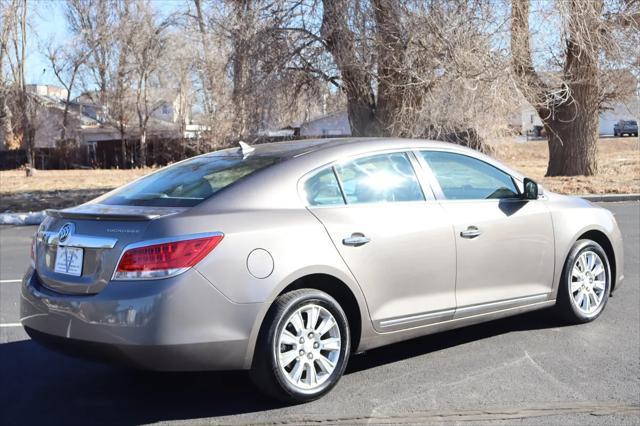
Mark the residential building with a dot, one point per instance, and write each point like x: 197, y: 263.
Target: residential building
x: 628, y: 109
x: 46, y: 90
x: 331, y: 125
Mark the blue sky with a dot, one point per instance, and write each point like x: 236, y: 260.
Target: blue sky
x: 49, y: 25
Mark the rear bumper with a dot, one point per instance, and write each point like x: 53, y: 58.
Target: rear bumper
x: 177, y: 324
x: 185, y: 357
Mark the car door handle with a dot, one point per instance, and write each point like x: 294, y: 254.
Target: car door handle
x: 470, y: 232
x: 356, y: 240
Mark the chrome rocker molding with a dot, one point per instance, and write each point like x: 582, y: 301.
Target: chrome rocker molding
x: 468, y: 311
x: 426, y: 318
x: 430, y: 318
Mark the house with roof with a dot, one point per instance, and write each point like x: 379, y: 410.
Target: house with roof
x: 96, y: 134
x: 627, y: 109
x: 625, y: 105
x: 330, y: 125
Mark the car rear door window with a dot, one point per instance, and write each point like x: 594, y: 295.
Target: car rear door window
x: 379, y: 179
x: 466, y: 178
x: 322, y: 189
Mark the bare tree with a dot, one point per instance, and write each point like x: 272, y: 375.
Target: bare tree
x: 245, y: 85
x: 23, y: 107
x: 147, y: 45
x: 207, y: 70
x: 8, y: 13
x: 394, y: 61
x: 6, y: 127
x: 569, y: 98
x: 66, y: 62
x: 93, y: 23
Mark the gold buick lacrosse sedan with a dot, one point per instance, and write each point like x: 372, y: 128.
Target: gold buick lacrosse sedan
x: 284, y: 259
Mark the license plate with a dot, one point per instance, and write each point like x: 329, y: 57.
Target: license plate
x: 69, y: 260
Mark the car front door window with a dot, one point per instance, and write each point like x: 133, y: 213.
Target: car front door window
x: 465, y: 178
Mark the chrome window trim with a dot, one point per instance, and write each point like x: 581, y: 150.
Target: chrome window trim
x: 423, y: 178
x: 155, y: 241
x: 340, y: 188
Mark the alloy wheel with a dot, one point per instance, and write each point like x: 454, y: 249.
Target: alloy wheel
x: 588, y: 282
x: 309, y: 347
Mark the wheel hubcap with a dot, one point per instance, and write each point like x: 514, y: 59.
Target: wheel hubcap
x: 309, y: 347
x: 588, y: 282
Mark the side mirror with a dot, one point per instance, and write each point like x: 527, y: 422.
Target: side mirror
x: 530, y: 190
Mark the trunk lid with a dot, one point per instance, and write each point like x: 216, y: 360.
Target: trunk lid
x: 87, y: 241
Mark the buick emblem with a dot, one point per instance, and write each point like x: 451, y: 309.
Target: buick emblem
x: 64, y: 232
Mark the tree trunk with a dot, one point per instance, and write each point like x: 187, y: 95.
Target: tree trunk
x: 571, y: 122
x: 362, y: 117
x: 361, y: 101
x: 123, y: 147
x: 392, y: 80
x: 246, y: 122
x: 208, y: 79
x: 142, y: 158
x: 572, y: 133
x: 6, y: 128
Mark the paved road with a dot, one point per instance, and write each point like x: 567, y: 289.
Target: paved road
x: 527, y: 369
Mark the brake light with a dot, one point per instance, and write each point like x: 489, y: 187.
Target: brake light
x: 164, y: 260
x: 34, y: 241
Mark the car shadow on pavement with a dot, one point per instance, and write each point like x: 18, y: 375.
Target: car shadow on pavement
x: 38, y: 386
x: 537, y: 320
x: 41, y: 387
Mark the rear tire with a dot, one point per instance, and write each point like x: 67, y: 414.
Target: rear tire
x: 585, y: 283
x: 303, y: 347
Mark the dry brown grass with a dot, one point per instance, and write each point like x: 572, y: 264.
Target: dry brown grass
x: 58, y: 188
x: 15, y: 181
x: 618, y: 166
x: 618, y: 160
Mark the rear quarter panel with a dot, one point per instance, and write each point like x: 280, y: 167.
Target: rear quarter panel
x: 296, y: 241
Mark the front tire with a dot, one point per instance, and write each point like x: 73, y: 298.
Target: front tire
x: 585, y: 284
x: 303, y: 347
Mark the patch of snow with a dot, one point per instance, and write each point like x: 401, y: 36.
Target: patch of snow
x: 30, y: 218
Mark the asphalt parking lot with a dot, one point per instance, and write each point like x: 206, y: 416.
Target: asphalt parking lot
x: 529, y: 369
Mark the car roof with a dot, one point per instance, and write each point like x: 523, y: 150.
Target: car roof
x: 278, y: 183
x: 297, y: 148
x: 313, y: 153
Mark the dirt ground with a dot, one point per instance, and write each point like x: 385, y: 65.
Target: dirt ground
x: 618, y: 166
x: 618, y: 163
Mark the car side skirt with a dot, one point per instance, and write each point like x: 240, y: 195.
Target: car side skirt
x: 400, y: 332
x: 445, y: 315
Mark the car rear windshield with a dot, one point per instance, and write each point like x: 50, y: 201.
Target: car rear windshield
x: 187, y: 183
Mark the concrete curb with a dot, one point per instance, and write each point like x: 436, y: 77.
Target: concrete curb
x: 611, y: 197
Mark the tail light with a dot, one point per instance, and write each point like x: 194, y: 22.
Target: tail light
x: 153, y: 260
x: 34, y: 241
